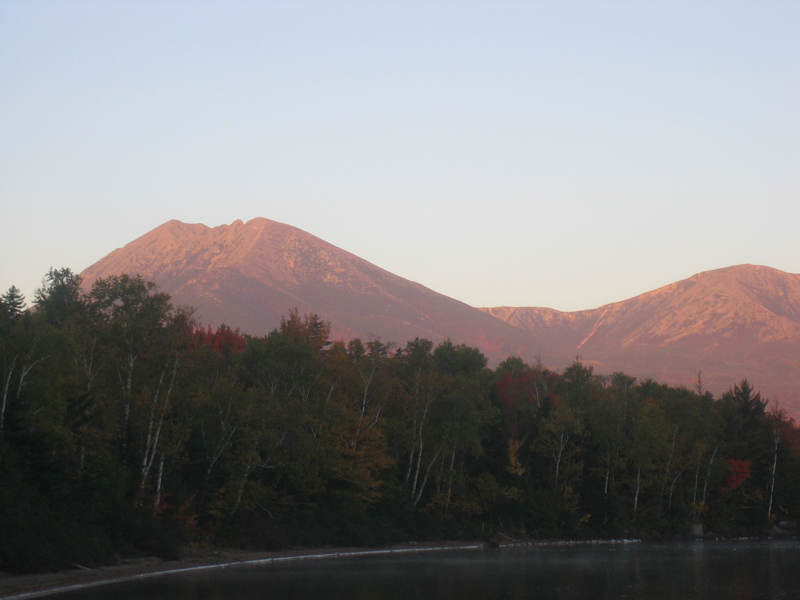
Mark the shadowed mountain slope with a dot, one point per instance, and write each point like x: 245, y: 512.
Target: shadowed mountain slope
x: 249, y: 275
x: 741, y: 321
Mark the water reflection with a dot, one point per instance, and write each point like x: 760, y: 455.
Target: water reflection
x: 697, y: 570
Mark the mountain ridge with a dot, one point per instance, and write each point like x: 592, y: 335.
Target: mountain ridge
x: 775, y: 322
x: 729, y: 323
x: 251, y: 274
x: 734, y: 322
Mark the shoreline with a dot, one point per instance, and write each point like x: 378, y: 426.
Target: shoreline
x: 19, y: 587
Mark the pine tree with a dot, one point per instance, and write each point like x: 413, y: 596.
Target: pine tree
x: 13, y: 302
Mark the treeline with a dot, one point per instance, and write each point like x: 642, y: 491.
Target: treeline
x: 126, y: 428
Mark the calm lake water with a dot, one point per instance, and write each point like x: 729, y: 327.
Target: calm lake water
x: 684, y: 571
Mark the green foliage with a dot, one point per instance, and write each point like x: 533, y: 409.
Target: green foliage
x: 60, y: 298
x: 126, y: 428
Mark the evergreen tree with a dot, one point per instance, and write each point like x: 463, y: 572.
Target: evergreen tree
x: 13, y: 302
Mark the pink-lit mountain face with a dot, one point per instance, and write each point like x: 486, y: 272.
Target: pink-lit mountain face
x: 731, y: 323
x: 249, y: 275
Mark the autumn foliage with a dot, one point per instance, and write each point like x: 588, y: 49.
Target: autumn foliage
x: 739, y: 472
x: 128, y: 428
x: 224, y: 340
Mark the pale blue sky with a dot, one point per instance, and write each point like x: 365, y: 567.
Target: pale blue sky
x: 562, y: 154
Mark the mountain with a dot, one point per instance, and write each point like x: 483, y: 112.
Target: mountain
x: 741, y: 321
x: 731, y: 323
x: 249, y: 275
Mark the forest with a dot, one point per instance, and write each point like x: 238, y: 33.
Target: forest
x: 127, y: 428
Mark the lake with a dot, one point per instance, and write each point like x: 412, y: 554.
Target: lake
x: 676, y: 570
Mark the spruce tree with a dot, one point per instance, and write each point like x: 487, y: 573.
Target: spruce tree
x: 13, y: 302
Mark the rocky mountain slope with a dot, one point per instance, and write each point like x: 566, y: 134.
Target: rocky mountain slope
x: 249, y: 275
x: 741, y: 321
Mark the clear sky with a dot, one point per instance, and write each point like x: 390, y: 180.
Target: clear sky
x: 562, y: 154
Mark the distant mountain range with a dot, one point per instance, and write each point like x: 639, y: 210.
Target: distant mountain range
x: 742, y: 321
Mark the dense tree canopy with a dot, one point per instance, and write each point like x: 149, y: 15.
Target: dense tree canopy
x: 128, y: 428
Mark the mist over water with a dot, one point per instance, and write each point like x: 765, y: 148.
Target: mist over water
x: 653, y: 571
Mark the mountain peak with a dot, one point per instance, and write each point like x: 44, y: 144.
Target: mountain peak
x: 249, y: 275
x: 729, y: 323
